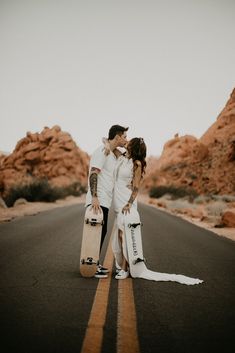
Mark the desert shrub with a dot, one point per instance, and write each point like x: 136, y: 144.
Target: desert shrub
x: 216, y: 208
x: 202, y: 199
x: 38, y: 190
x: 175, y: 192
x: 75, y: 189
x: 180, y: 204
x: 41, y: 190
x: 225, y: 198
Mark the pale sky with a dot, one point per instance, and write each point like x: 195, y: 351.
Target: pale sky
x: 159, y: 67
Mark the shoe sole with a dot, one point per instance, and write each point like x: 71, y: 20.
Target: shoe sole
x: 121, y: 277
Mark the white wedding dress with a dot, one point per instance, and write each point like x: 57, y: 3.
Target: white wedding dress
x: 122, y: 192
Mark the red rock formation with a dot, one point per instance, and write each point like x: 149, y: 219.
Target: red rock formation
x: 207, y: 164
x: 52, y: 154
x: 1, y: 157
x: 228, y: 218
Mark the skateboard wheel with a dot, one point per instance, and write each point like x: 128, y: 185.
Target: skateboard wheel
x: 82, y: 261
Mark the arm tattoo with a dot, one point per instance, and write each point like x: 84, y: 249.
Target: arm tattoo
x: 93, y: 184
x: 133, y: 195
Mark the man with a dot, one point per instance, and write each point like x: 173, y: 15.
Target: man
x: 101, y: 181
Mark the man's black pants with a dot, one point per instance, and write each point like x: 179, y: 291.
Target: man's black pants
x: 105, y: 225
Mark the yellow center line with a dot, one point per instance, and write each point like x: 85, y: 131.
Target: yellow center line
x: 94, y: 333
x: 127, y: 335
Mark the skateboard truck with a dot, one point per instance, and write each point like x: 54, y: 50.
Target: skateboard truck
x: 93, y: 221
x: 89, y: 261
x: 134, y: 225
x: 136, y: 261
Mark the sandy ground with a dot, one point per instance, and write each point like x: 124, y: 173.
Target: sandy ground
x: 32, y: 208
x: 225, y: 232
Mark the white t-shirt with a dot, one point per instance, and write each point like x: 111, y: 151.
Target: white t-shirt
x: 106, y: 177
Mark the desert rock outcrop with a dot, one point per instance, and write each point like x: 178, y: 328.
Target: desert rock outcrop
x: 228, y: 218
x: 207, y: 164
x: 51, y: 154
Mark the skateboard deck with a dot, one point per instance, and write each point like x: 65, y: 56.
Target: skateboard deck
x: 90, y: 249
x: 133, y: 238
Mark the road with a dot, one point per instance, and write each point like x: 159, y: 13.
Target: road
x: 45, y: 304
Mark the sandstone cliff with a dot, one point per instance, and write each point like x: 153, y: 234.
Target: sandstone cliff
x: 51, y: 154
x: 207, y: 164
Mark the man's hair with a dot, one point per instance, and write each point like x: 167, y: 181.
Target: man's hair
x: 116, y: 130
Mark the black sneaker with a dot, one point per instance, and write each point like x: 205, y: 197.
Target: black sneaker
x: 100, y: 274
x: 103, y: 269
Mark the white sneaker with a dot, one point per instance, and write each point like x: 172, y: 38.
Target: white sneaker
x: 122, y: 274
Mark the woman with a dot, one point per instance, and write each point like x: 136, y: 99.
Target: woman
x: 129, y: 173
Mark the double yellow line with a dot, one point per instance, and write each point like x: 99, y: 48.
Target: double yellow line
x: 127, y: 337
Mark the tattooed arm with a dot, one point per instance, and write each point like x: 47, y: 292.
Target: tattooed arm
x: 135, y: 187
x: 93, y: 180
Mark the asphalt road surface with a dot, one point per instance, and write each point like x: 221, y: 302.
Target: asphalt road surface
x: 45, y: 304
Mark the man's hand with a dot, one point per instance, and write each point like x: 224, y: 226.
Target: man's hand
x: 95, y: 205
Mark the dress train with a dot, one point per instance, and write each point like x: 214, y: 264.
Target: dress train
x: 141, y: 271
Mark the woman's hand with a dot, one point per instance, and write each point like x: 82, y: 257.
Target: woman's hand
x: 126, y: 208
x: 106, y: 148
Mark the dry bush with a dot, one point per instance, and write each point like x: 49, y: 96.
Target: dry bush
x: 180, y: 204
x: 175, y: 192
x: 224, y: 198
x: 41, y: 190
x: 216, y: 208
x: 202, y: 199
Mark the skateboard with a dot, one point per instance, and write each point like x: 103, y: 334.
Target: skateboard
x: 133, y: 238
x: 90, y: 250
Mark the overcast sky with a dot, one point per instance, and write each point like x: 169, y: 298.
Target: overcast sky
x: 159, y: 67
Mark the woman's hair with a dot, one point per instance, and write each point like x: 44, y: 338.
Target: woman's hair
x: 137, y: 151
